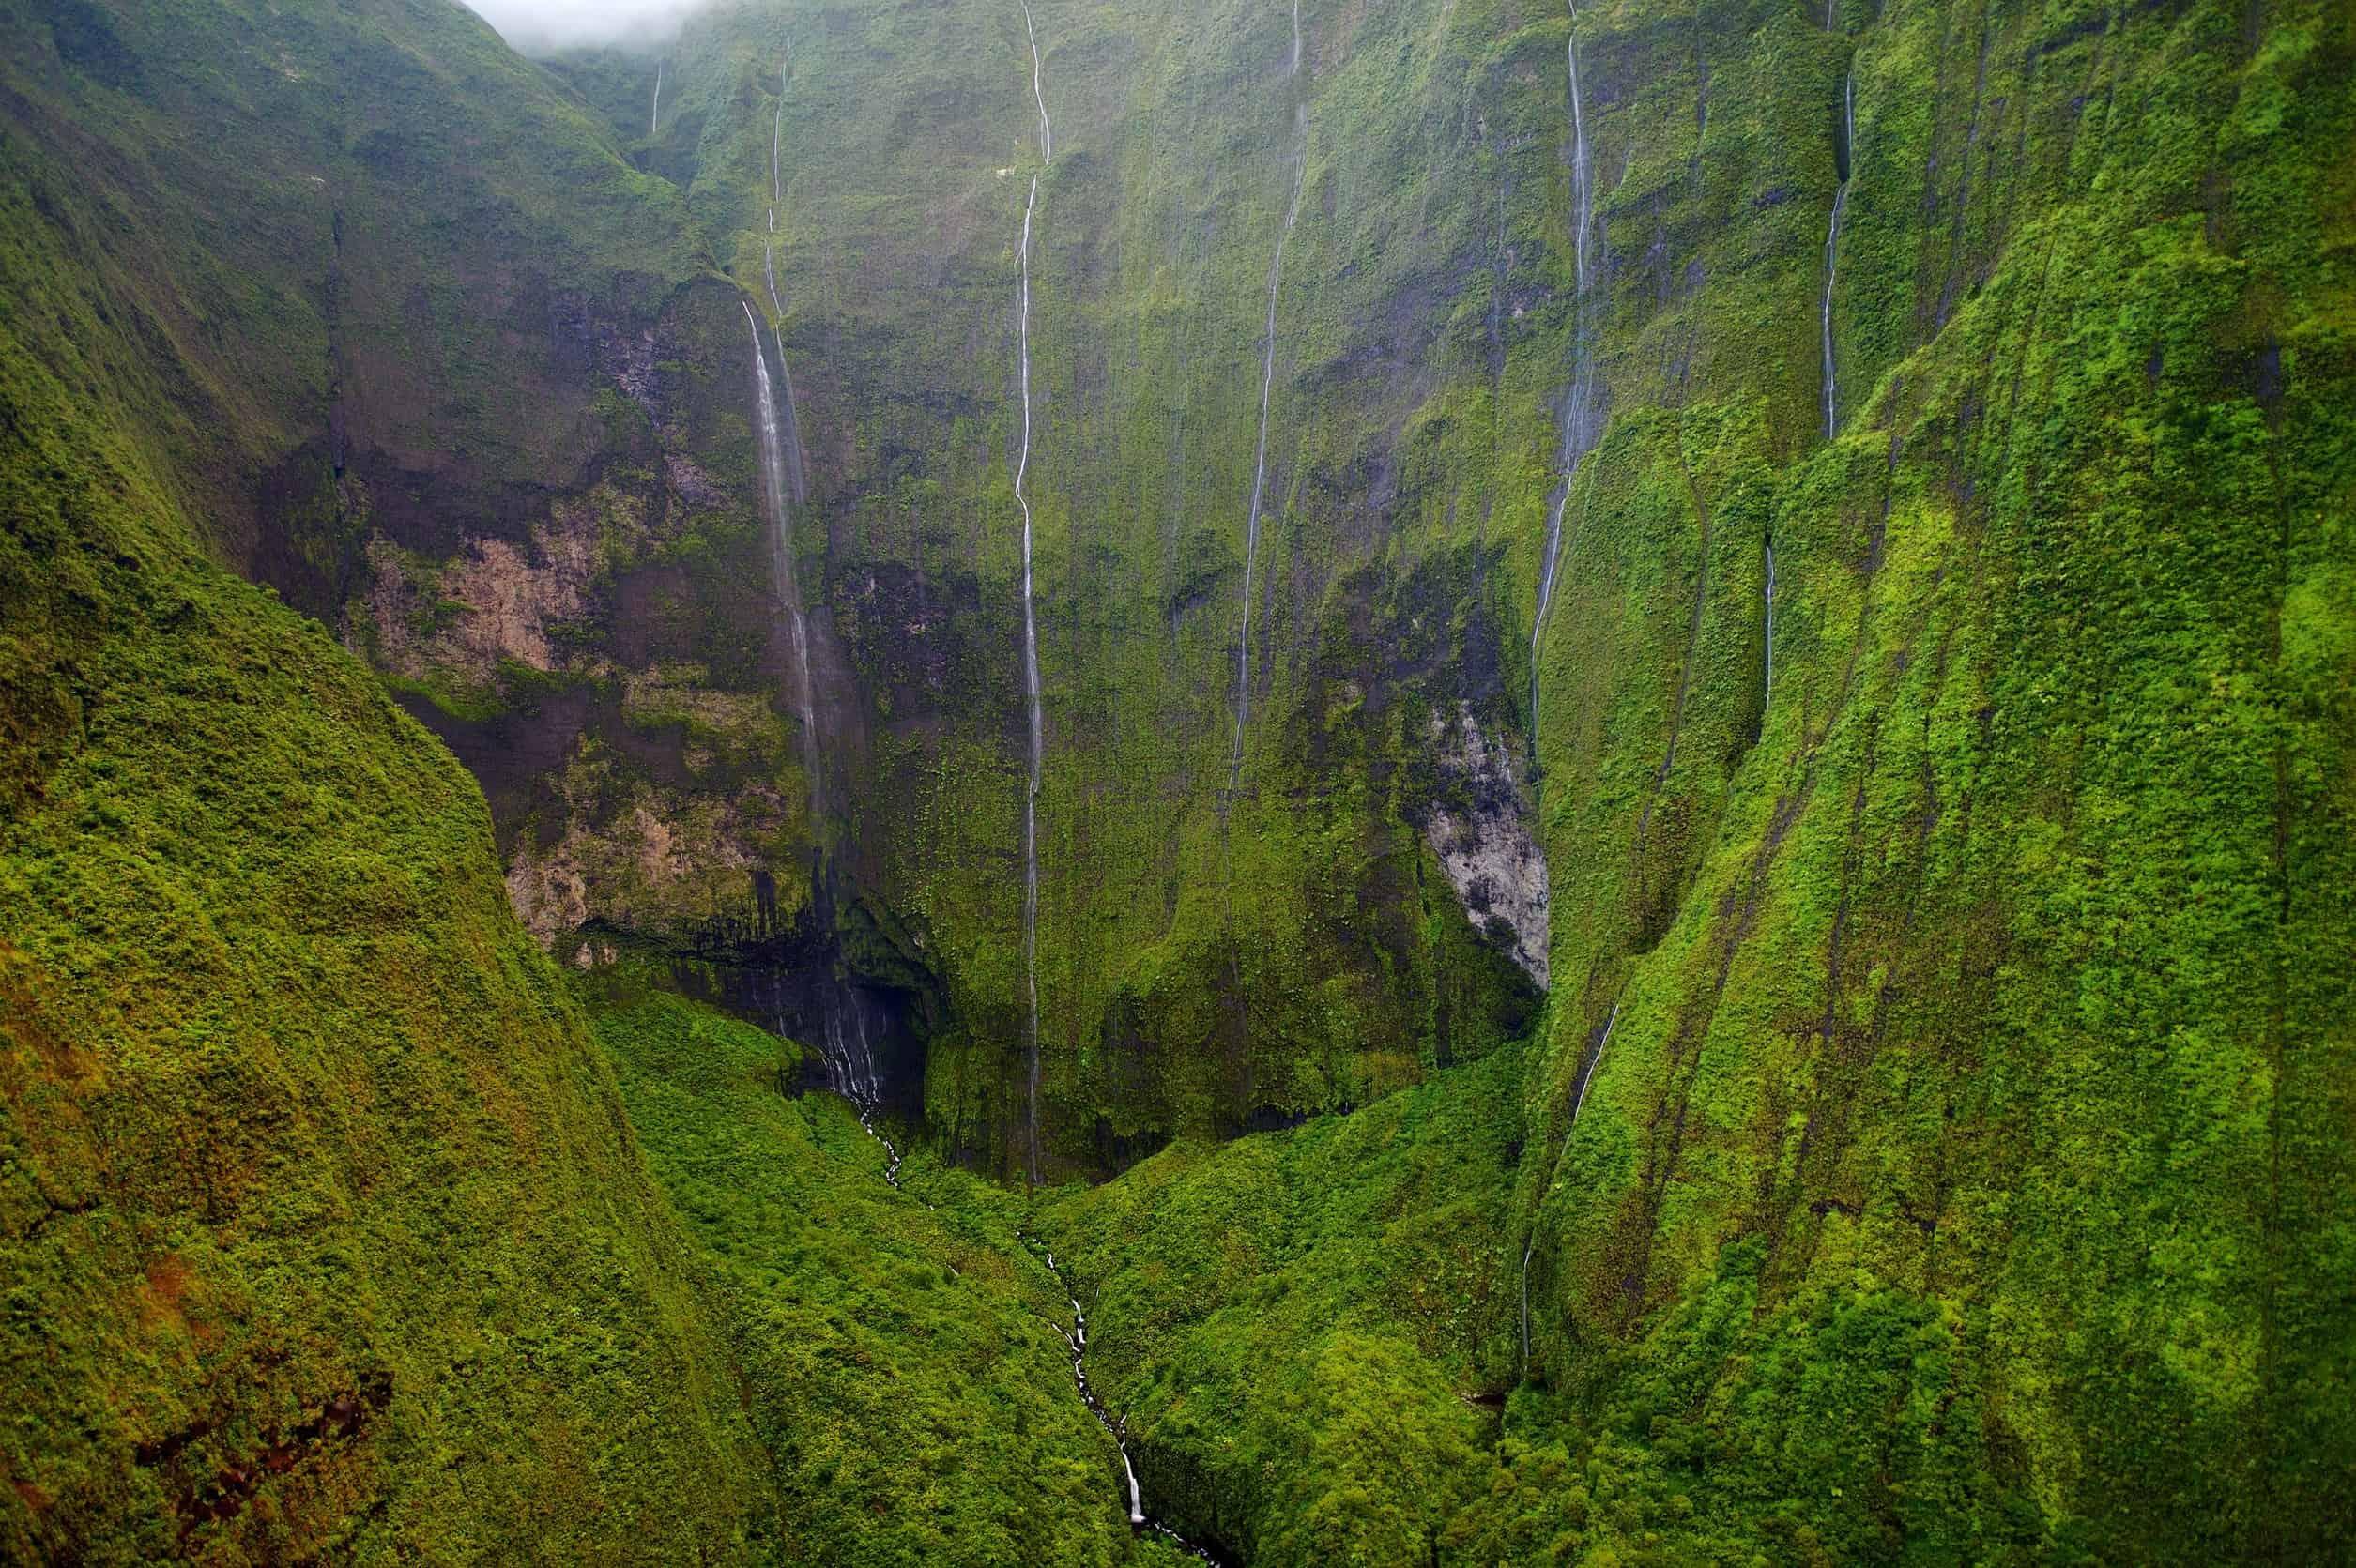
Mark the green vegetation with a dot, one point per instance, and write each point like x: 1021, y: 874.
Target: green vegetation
x: 898, y: 1349
x: 1934, y: 1145
x: 1291, y: 1321
x: 320, y: 1230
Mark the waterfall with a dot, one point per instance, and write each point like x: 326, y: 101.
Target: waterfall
x: 1580, y: 420
x: 1579, y: 1099
x: 1076, y: 1340
x: 1581, y: 193
x: 848, y: 1048
x: 775, y: 477
x: 1766, y: 688
x: 1267, y: 384
x: 849, y: 1057
x: 869, y: 1096
x: 1586, y: 1076
x: 655, y: 118
x: 1031, y: 627
x: 776, y: 142
x: 1038, y: 93
x: 1832, y: 244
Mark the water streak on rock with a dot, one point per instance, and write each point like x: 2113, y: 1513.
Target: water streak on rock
x: 1031, y: 631
x: 1267, y: 384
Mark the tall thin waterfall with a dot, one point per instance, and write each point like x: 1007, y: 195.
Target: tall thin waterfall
x: 846, y: 1040
x: 781, y: 491
x: 1038, y: 92
x: 655, y: 118
x: 1031, y: 627
x: 778, y: 141
x: 1578, y: 1100
x: 1267, y: 384
x: 1581, y: 412
x: 1766, y: 686
x: 1832, y: 246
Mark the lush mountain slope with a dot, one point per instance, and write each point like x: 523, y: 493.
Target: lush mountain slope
x: 902, y: 1354
x: 322, y: 1232
x: 1737, y: 620
x: 1291, y: 1321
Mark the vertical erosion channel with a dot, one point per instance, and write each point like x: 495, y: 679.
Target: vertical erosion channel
x: 1577, y: 1100
x: 1582, y: 409
x: 1847, y: 150
x: 1267, y: 384
x: 1030, y: 627
x: 1076, y: 1340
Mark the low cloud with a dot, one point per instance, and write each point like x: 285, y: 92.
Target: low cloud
x: 539, y: 26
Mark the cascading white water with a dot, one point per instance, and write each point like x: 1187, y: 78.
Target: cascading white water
x: 868, y: 1093
x: 1038, y: 92
x: 1580, y: 422
x: 776, y: 141
x: 1267, y: 385
x: 848, y: 1053
x: 1076, y: 1340
x: 1832, y: 246
x: 1030, y: 626
x: 1579, y: 1099
x: 655, y: 118
x: 1580, y: 168
x: 1766, y: 686
x: 776, y: 475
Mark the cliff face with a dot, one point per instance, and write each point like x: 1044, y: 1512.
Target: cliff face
x: 1944, y: 953
x: 1942, y: 993
x: 322, y: 1233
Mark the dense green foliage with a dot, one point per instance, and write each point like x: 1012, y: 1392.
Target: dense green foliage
x: 1981, y: 1030
x: 898, y: 1348
x: 1290, y: 1319
x: 320, y: 1232
x: 1934, y: 1145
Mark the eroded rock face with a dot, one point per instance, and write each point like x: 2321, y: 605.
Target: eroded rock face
x: 1479, y: 826
x: 493, y: 600
x: 656, y: 858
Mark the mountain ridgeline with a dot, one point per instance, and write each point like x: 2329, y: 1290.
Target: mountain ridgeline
x: 1556, y: 783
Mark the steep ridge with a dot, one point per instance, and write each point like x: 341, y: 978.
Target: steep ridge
x: 1886, y: 1068
x: 322, y: 1234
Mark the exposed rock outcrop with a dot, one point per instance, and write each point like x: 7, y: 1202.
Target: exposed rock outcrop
x: 1479, y: 827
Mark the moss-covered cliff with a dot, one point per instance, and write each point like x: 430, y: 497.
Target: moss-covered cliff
x: 1865, y: 1064
x: 321, y: 1232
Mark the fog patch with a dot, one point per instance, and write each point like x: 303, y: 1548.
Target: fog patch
x: 540, y: 27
